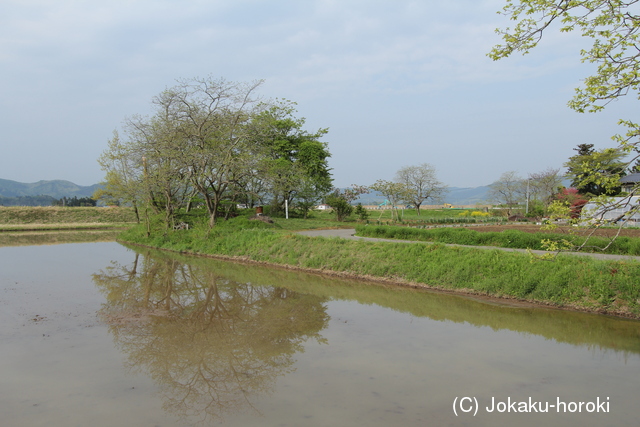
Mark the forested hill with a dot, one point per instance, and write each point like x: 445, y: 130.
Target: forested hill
x: 55, y: 189
x: 43, y: 192
x: 467, y: 196
x: 453, y: 195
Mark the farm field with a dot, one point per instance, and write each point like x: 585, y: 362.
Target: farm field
x: 532, y: 228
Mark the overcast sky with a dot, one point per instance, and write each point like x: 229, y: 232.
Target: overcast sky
x: 397, y: 82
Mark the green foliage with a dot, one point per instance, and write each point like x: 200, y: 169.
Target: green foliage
x: 536, y: 209
x: 577, y: 282
x: 75, y: 202
x: 295, y: 163
x: 362, y: 213
x: 340, y: 200
x: 612, y: 26
x: 596, y: 173
x: 505, y: 239
x: 212, y: 141
x: 340, y: 206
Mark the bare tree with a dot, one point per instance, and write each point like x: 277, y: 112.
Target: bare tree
x: 508, y: 190
x: 420, y: 184
x: 394, y: 192
x: 210, y: 117
x: 543, y: 185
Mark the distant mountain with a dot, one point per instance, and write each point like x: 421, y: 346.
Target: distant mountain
x: 60, y: 188
x: 454, y: 196
x: 56, y: 189
x: 467, y: 196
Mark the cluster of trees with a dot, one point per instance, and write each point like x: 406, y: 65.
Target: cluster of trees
x: 597, y: 173
x: 413, y: 185
x: 46, y: 201
x: 215, y: 143
x: 74, y: 201
x: 592, y: 173
x: 536, y: 192
x: 614, y: 29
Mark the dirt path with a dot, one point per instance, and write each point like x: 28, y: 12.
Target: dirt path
x: 349, y: 233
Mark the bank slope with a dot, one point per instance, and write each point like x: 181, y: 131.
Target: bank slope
x: 572, y: 282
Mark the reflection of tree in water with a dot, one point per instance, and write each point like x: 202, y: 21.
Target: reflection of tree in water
x: 211, y: 344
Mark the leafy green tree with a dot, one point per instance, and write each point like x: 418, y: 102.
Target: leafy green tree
x: 197, y: 143
x: 596, y: 173
x: 213, y: 141
x: 75, y: 202
x: 340, y: 200
x: 295, y: 161
x: 614, y: 29
x: 341, y: 208
x: 307, y: 195
x: 154, y: 144
x: 362, y: 212
x: 123, y: 184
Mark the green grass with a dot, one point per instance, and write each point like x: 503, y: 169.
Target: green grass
x: 434, y: 216
x: 326, y: 219
x: 316, y: 220
x: 581, y: 282
x: 504, y: 239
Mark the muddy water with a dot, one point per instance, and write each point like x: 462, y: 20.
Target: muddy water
x: 99, y: 334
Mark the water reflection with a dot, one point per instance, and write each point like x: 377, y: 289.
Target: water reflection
x: 581, y: 329
x: 210, y: 343
x: 215, y: 335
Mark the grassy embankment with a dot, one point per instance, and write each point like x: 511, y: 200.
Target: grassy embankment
x: 503, y: 239
x: 16, y: 218
x: 573, y: 282
x: 435, y: 216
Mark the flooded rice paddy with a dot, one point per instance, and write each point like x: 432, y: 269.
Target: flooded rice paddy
x: 104, y: 335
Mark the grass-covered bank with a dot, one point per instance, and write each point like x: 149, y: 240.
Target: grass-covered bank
x: 17, y: 218
x: 504, y: 239
x: 577, y: 282
x: 562, y: 326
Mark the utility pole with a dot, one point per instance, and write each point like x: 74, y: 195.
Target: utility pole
x: 527, y: 209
